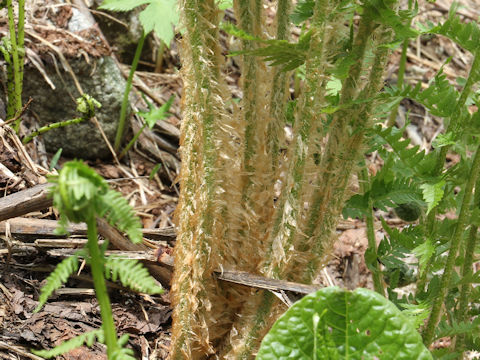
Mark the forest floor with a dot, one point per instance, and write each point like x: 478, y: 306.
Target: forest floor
x: 29, y: 250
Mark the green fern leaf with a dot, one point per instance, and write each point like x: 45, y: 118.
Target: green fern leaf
x: 383, y: 195
x: 401, y: 191
x: 417, y: 313
x: 132, y: 274
x: 467, y: 35
x: 399, y: 242
x: 381, y: 12
x: 281, y: 53
x: 74, y: 189
x: 424, y: 252
x: 118, y: 213
x: 445, y: 329
x: 438, y: 98
x: 413, y: 161
x: 433, y: 193
x: 123, y: 354
x: 58, y: 277
x: 88, y: 339
x: 303, y: 11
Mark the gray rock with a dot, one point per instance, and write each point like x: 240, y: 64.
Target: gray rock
x: 102, y: 80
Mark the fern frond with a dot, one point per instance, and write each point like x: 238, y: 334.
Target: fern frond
x: 120, y: 214
x: 277, y: 52
x: 445, y: 329
x: 400, y: 242
x: 413, y: 160
x: 58, y: 277
x: 88, y: 339
x: 467, y: 35
x: 397, y: 192
x: 123, y: 353
x: 381, y: 11
x: 383, y: 195
x: 132, y: 274
x: 417, y: 313
x: 438, y: 98
x: 74, y: 188
x: 303, y: 11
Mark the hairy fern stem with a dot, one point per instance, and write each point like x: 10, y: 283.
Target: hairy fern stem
x: 467, y: 272
x: 16, y: 55
x: 473, y: 77
x: 463, y: 217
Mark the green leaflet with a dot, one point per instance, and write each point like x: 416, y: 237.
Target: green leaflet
x: 383, y: 194
x: 412, y: 162
x: 349, y: 325
x: 437, y: 98
x: 303, y: 11
x: 277, y: 52
x: 467, y: 35
x: 88, y: 339
x: 132, y: 274
x: 58, y: 277
x: 116, y: 210
x: 433, y: 193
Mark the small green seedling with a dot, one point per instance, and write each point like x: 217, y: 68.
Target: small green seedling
x: 85, y: 105
x: 81, y: 195
x: 150, y: 117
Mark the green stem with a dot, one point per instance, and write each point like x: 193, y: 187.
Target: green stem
x: 56, y: 125
x: 467, y: 272
x: 372, y: 243
x: 131, y: 142
x: 464, y: 215
x: 309, y: 117
x: 279, y: 92
x: 13, y: 97
x: 128, y: 87
x: 345, y: 142
x: 160, y: 53
x: 21, y: 57
x: 100, y: 287
x: 401, y: 74
x: 431, y: 219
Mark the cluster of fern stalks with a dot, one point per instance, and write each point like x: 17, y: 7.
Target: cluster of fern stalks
x: 231, y: 213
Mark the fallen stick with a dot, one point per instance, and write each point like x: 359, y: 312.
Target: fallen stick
x: 33, y: 227
x: 260, y: 282
x: 23, y: 202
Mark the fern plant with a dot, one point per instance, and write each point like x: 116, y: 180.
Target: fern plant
x: 81, y: 195
x: 13, y: 50
x: 433, y: 189
x: 246, y: 206
x: 229, y: 214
